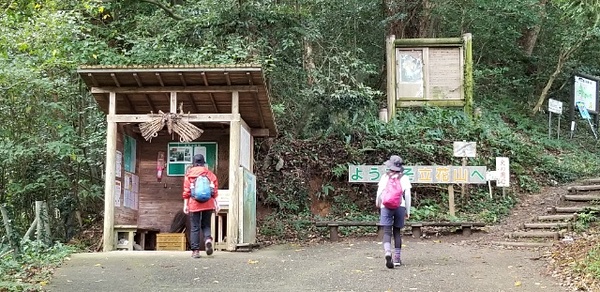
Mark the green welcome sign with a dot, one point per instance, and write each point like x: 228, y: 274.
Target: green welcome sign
x: 180, y: 156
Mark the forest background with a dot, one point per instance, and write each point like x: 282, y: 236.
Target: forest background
x: 325, y: 61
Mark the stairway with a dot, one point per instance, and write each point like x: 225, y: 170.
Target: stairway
x: 558, y: 221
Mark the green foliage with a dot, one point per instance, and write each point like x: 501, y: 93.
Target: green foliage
x: 591, y: 263
x: 586, y: 219
x: 33, y: 269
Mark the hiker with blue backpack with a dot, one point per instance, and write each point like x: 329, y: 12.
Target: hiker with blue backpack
x: 393, y: 200
x: 200, y: 191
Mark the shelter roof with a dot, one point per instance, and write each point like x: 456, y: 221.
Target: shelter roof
x: 202, y: 89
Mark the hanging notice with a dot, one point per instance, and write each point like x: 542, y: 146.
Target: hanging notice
x: 585, y: 92
x: 130, y: 191
x: 119, y: 164
x: 129, y: 146
x: 117, y: 194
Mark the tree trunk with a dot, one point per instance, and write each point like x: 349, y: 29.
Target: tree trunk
x: 562, y: 59
x: 425, y: 22
x: 530, y: 35
x: 561, y: 62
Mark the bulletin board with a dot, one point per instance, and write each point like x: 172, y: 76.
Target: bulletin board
x: 180, y: 156
x: 129, y: 155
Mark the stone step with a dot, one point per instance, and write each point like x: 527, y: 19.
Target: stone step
x: 581, y: 198
x: 555, y: 225
x: 558, y: 217
x: 573, y: 209
x: 523, y: 243
x: 533, y: 234
x: 587, y: 188
x: 591, y: 181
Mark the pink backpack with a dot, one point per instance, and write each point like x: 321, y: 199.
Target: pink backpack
x: 392, y: 194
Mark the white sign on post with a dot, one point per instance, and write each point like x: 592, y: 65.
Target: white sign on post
x: 555, y: 106
x: 465, y: 149
x: 502, y: 169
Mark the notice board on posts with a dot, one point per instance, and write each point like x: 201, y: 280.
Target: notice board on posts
x: 180, y: 156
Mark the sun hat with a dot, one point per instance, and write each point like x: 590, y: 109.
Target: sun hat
x: 395, y: 163
x: 199, y: 160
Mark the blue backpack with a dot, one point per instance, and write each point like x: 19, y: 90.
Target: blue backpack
x: 201, y: 189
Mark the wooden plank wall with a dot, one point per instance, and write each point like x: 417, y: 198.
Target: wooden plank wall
x: 160, y: 201
x: 125, y: 216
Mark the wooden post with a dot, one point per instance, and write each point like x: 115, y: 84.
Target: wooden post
x: 173, y: 103
x: 463, y: 186
x: 468, y: 82
x: 30, y: 230
x: 9, y: 232
x: 38, y: 218
x: 234, y: 163
x: 390, y: 51
x: 46, y: 223
x: 451, y: 200
x: 108, y: 237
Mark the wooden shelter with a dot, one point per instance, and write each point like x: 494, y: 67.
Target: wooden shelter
x: 148, y: 148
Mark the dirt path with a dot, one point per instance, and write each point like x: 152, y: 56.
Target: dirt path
x: 354, y: 265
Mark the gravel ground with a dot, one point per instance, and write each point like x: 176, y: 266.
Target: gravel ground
x: 351, y: 265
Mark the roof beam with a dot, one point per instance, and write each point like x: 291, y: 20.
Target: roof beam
x: 227, y: 78
x: 159, y: 79
x: 114, y: 78
x: 94, y: 81
x: 181, y: 89
x: 212, y: 98
x: 165, y: 70
x: 256, y: 132
x: 137, y: 79
x: 260, y: 114
x: 192, y: 118
x: 182, y: 79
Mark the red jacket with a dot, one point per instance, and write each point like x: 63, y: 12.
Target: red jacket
x: 190, y: 176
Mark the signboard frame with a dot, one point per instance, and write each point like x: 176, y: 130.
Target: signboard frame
x: 422, y: 174
x: 577, y: 88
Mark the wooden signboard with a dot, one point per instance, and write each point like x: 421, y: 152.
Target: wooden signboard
x: 435, y: 72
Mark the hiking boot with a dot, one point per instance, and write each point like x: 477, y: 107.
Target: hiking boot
x: 397, y: 261
x: 195, y: 254
x: 209, y: 246
x: 388, y: 260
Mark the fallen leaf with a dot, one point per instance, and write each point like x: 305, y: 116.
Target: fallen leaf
x: 252, y: 262
x: 518, y: 284
x: 98, y: 265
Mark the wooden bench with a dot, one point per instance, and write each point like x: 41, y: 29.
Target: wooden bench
x: 466, y: 227
x: 129, y: 231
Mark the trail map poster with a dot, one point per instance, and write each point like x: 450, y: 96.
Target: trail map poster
x: 585, y: 91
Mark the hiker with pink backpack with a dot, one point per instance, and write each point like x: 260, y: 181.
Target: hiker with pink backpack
x: 393, y: 200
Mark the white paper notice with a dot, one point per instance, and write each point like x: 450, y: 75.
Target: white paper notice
x: 117, y: 194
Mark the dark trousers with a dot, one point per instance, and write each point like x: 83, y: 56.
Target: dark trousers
x: 199, y: 220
